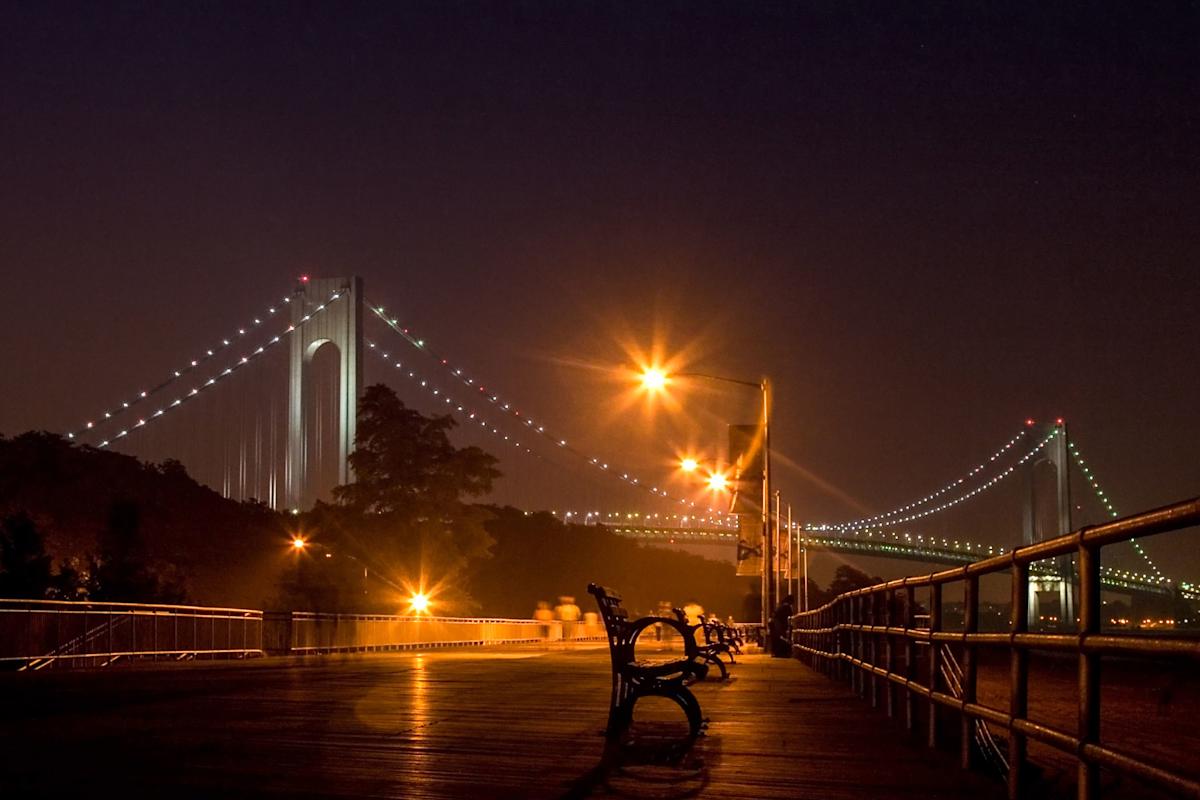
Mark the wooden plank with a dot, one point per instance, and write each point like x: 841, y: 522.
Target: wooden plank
x: 510, y: 723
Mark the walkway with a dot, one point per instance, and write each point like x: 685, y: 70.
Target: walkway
x: 450, y: 723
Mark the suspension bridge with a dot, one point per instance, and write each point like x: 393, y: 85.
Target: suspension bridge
x: 293, y: 427
x: 294, y: 436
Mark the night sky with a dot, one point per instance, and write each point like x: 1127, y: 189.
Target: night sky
x: 924, y: 225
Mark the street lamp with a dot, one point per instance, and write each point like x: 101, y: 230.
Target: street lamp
x: 654, y: 379
x: 689, y: 465
x: 419, y: 602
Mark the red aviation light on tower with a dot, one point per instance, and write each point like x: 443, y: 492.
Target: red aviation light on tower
x: 1029, y: 422
x: 1060, y: 422
x: 304, y: 279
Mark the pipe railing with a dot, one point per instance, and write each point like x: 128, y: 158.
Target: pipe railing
x: 35, y: 634
x: 331, y: 633
x: 869, y: 637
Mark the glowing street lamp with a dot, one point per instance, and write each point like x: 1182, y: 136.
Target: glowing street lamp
x: 689, y: 465
x: 419, y: 603
x: 654, y: 379
x: 718, y: 482
x: 298, y: 544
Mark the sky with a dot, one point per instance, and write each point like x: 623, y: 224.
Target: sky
x: 924, y: 224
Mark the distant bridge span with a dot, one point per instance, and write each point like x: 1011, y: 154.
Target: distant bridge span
x: 951, y: 554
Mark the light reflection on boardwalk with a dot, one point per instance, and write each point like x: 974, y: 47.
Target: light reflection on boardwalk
x: 450, y: 723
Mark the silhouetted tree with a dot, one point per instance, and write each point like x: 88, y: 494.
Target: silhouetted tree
x: 846, y: 579
x: 123, y: 572
x: 404, y: 520
x: 24, y: 565
x: 405, y: 464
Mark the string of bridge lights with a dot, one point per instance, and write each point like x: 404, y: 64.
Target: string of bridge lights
x: 614, y: 517
x: 867, y: 521
x: 534, y: 427
x: 1111, y: 510
x: 995, y: 479
x: 209, y: 354
x: 225, y: 373
x: 443, y: 398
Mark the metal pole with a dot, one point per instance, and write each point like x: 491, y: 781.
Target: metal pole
x: 777, y: 548
x: 768, y: 587
x: 803, y: 542
x: 793, y: 554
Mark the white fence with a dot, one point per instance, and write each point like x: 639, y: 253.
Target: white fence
x: 35, y: 634
x: 327, y: 633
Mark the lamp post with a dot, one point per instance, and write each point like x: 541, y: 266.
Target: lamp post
x: 656, y: 380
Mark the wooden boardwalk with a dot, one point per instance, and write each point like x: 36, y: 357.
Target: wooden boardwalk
x: 450, y: 723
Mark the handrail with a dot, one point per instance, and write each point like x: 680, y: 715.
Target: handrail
x: 36, y: 634
x: 854, y: 637
x: 105, y: 604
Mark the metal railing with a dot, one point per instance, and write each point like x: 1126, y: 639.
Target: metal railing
x: 35, y: 634
x: 331, y: 633
x: 870, y: 636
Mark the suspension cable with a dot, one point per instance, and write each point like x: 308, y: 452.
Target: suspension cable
x: 538, y: 429
x: 215, y: 379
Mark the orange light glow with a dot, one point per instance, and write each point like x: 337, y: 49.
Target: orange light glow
x: 654, y: 379
x: 718, y: 482
x: 688, y: 465
x: 298, y: 543
x: 419, y: 603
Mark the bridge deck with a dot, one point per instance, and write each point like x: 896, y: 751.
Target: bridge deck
x: 449, y: 723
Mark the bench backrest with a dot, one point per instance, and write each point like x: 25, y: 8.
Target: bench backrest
x: 616, y: 623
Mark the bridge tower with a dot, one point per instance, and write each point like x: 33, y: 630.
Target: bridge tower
x: 1055, y: 453
x: 341, y: 325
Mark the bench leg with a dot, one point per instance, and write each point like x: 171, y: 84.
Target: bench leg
x: 713, y: 658
x: 682, y: 696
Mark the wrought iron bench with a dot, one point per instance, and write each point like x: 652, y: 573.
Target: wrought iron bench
x: 715, y: 630
x: 709, y: 652
x: 634, y: 679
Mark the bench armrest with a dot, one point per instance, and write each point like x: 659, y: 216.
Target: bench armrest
x: 689, y: 641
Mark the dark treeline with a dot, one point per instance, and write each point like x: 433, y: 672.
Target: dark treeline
x: 516, y: 577
x: 81, y: 523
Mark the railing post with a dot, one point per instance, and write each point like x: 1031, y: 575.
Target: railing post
x: 1089, y: 667
x: 872, y: 645
x: 935, y: 625
x: 842, y: 615
x: 857, y: 616
x: 1018, y: 693
x: 910, y: 655
x: 889, y: 693
x: 969, y: 665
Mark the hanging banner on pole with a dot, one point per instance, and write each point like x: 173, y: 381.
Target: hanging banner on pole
x: 745, y: 454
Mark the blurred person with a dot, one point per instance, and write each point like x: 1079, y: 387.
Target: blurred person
x: 569, y: 613
x: 545, y: 616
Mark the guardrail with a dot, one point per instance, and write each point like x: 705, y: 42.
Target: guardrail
x: 869, y: 637
x: 35, y: 634
x: 330, y: 633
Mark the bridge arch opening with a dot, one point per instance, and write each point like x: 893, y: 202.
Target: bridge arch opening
x: 324, y: 346
x: 322, y: 411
